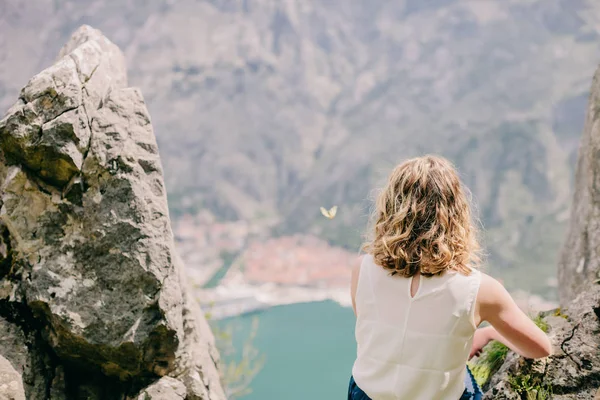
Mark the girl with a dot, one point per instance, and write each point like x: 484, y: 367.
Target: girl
x: 419, y: 299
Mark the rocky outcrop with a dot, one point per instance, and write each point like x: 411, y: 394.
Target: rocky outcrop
x: 93, y: 303
x: 573, y: 371
x: 580, y: 259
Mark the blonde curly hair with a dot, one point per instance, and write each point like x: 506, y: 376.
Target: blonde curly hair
x: 422, y: 221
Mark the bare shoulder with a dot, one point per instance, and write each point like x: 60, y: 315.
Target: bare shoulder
x: 489, y: 287
x: 492, y: 293
x: 488, y: 281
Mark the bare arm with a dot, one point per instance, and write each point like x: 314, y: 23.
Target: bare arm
x: 510, y: 325
x: 483, y: 336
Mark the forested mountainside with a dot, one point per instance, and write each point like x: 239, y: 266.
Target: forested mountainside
x: 268, y: 109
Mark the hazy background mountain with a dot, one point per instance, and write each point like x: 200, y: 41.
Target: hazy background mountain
x: 268, y: 109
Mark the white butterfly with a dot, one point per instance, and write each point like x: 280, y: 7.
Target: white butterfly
x: 329, y: 213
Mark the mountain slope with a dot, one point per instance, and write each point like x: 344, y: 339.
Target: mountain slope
x: 269, y: 109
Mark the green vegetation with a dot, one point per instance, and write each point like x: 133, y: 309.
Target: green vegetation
x: 237, y: 367
x: 238, y: 373
x: 558, y: 313
x: 530, y: 387
x: 493, y: 356
x: 489, y: 362
x: 540, y: 322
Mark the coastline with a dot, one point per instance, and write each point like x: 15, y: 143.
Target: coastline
x: 234, y: 296
x: 235, y: 276
x: 230, y: 300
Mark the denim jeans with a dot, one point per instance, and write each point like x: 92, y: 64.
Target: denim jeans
x: 472, y: 391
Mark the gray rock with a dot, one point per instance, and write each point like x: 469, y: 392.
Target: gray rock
x: 573, y: 371
x: 11, y: 385
x: 23, y: 354
x: 12, y: 361
x: 197, y: 351
x: 13, y: 345
x: 579, y: 264
x: 88, y: 261
x: 165, y: 388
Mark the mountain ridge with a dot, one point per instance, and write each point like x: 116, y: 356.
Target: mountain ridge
x: 268, y: 110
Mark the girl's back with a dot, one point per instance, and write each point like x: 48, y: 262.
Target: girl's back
x: 413, y: 347
x: 417, y: 294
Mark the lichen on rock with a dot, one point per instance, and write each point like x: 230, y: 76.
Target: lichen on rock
x: 89, y: 273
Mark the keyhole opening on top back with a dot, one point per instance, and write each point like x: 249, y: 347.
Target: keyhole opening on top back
x: 415, y: 282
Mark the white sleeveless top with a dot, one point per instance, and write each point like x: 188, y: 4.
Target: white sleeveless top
x: 413, y: 348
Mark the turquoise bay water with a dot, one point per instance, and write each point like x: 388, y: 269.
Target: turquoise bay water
x: 309, y: 350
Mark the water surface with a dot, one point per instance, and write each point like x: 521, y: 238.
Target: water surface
x: 309, y: 350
